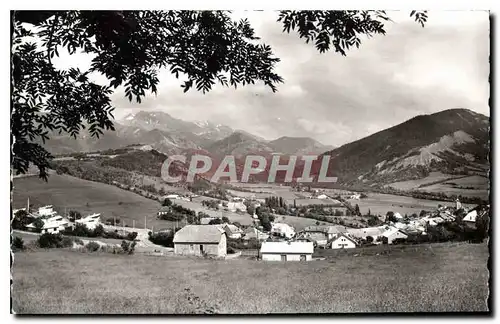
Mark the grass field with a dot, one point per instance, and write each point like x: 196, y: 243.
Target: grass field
x: 442, y: 279
x: 473, y: 186
x: 379, y: 203
x: 414, y: 184
x: 67, y: 192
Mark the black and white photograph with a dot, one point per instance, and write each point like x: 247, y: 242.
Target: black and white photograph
x: 250, y: 162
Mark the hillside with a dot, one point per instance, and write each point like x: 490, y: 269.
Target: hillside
x: 239, y: 144
x: 454, y: 141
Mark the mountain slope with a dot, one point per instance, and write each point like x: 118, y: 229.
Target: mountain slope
x: 298, y: 146
x: 239, y: 144
x: 451, y: 141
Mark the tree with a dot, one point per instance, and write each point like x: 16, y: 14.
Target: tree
x: 167, y: 202
x: 389, y: 217
x: 356, y: 209
x: 225, y: 219
x: 369, y: 239
x: 215, y: 221
x: 74, y: 215
x: 129, y: 47
x: 21, y: 219
x: 38, y: 223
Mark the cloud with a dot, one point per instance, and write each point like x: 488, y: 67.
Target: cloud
x: 335, y: 99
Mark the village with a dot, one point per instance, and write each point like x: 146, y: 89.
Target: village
x: 203, y: 235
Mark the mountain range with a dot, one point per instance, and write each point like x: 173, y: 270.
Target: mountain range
x: 175, y: 136
x: 454, y: 141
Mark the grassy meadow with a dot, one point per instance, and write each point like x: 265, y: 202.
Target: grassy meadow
x: 379, y: 203
x: 443, y: 278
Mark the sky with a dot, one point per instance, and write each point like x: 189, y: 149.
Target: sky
x: 338, y: 99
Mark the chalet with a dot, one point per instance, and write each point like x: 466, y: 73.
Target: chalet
x: 343, y: 241
x: 200, y: 240
x: 90, y: 221
x: 163, y: 211
x: 322, y: 196
x: 283, y: 230
x: 44, y: 212
x: 286, y: 251
x: 394, y: 233
x: 232, y: 231
x: 320, y: 235
x: 235, y: 206
x: 52, y: 225
x: 471, y: 216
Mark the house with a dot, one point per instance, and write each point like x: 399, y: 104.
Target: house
x: 343, y: 241
x: 234, y: 206
x: 471, y: 216
x: 355, y: 197
x: 90, y: 221
x: 286, y: 251
x: 200, y: 240
x: 321, y: 234
x: 163, y: 211
x: 232, y: 231
x: 45, y: 211
x: 52, y: 225
x: 322, y: 196
x: 398, y: 216
x: 254, y: 233
x: 434, y: 221
x: 283, y: 230
x: 172, y: 196
x: 394, y: 233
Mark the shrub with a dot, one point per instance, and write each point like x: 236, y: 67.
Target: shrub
x: 92, y: 246
x: 67, y: 242
x: 49, y: 241
x: 163, y: 238
x: 128, y: 247
x: 78, y: 241
x: 17, y: 243
x: 132, y: 236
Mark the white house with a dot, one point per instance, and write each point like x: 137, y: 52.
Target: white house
x: 398, y: 216
x: 234, y: 206
x: 322, y: 196
x: 52, y: 225
x: 45, y: 211
x: 282, y: 229
x: 344, y: 241
x: 471, y: 216
x: 394, y: 233
x: 172, y: 196
x: 91, y: 221
x: 286, y: 251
